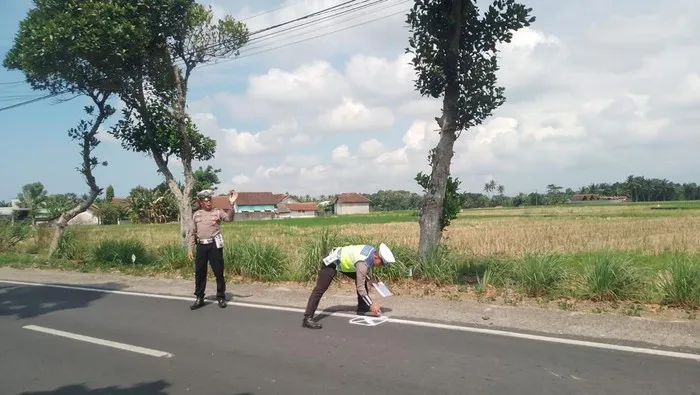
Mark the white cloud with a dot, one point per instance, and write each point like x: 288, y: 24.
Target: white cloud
x: 586, y: 102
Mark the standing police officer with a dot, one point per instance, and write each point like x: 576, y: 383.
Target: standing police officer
x: 206, y: 234
x: 353, y: 261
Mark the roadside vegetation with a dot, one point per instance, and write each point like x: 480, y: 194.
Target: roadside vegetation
x: 624, y: 255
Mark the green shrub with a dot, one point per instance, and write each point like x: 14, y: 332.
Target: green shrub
x: 487, y: 271
x: 120, y: 252
x: 13, y: 234
x: 69, y: 247
x: 173, y: 256
x: 679, y: 283
x: 608, y: 277
x: 257, y: 260
x: 439, y: 266
x: 540, y: 274
x: 315, y: 250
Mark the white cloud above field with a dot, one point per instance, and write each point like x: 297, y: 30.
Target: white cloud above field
x: 594, y: 93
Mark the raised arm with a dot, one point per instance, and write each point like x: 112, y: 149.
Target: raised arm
x: 228, y: 217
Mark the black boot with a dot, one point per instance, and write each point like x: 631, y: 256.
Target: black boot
x: 199, y: 302
x: 222, y: 303
x: 311, y: 324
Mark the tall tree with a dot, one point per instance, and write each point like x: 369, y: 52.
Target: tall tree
x: 205, y: 179
x: 33, y: 197
x: 79, y: 47
x: 155, y: 120
x: 455, y: 56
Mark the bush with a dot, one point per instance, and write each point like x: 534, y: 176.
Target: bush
x: 439, y: 266
x: 540, y: 274
x: 608, y: 277
x: 257, y: 260
x: 13, y: 234
x: 120, y: 252
x: 69, y: 247
x: 679, y: 283
x: 173, y: 256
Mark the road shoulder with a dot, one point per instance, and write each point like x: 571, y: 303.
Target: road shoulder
x: 677, y: 334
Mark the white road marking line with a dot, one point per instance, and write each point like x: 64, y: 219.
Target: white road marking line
x: 368, y: 321
x: 102, y: 342
x: 550, y: 339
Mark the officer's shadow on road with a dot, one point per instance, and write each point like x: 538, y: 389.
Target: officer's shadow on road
x: 229, y: 296
x: 152, y: 388
x: 328, y: 311
x: 25, y: 301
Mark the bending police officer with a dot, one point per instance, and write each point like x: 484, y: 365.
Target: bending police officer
x: 206, y: 235
x: 353, y: 261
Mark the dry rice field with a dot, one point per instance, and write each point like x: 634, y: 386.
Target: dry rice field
x: 504, y: 232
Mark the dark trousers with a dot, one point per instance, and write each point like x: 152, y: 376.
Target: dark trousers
x: 324, y: 280
x: 215, y: 256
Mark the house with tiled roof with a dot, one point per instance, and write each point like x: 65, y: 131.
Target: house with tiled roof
x: 298, y: 210
x: 256, y: 205
x: 350, y: 203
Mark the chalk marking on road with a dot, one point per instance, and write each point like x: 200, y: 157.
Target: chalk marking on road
x: 368, y: 321
x: 550, y: 339
x: 102, y: 342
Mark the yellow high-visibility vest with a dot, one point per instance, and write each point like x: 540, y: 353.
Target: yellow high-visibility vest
x: 350, y: 255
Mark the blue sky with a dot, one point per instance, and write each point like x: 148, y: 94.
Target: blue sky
x: 595, y: 92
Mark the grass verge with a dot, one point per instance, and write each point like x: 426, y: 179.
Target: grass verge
x: 669, y: 279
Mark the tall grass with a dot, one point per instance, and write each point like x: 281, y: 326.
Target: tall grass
x: 608, y: 276
x: 540, y: 274
x: 256, y: 260
x: 679, y: 282
x: 627, y: 259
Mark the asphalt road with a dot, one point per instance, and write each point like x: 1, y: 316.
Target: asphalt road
x: 242, y: 350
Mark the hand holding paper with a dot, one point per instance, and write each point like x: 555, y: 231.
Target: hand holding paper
x: 382, y: 289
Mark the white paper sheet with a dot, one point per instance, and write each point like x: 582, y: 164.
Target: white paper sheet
x: 382, y: 289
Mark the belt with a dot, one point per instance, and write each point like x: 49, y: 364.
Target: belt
x: 205, y: 241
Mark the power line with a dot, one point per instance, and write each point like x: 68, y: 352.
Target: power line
x: 339, y: 6
x: 328, y: 26
x: 306, y: 39
x: 272, y: 10
x: 31, y: 101
x: 343, y: 8
x: 318, y: 21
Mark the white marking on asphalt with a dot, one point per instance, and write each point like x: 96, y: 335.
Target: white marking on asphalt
x: 102, y: 342
x: 368, y: 321
x: 517, y: 335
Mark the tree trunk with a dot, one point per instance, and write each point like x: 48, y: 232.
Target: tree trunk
x: 432, y: 207
x: 87, y: 145
x: 186, y: 221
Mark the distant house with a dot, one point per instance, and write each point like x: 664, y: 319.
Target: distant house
x: 253, y: 205
x: 350, y: 203
x: 298, y: 210
x: 593, y: 197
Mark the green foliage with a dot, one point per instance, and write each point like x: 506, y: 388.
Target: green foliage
x: 609, y: 277
x: 452, y: 203
x: 205, y: 179
x: 540, y: 274
x: 109, y: 194
x: 257, y: 260
x: 57, y: 204
x: 11, y: 235
x: 679, y: 283
x: 431, y: 24
x: 69, y: 247
x: 120, y: 252
x: 151, y: 123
